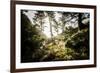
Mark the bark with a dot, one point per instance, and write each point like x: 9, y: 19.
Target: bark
x: 80, y: 24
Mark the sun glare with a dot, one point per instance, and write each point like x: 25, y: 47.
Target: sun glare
x: 46, y: 30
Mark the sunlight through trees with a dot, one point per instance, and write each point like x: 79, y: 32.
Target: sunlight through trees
x: 54, y: 36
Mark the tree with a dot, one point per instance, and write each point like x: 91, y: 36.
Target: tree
x: 56, y: 25
x: 50, y: 16
x: 63, y: 19
x: 83, y: 20
x: 31, y: 39
x: 39, y: 19
x: 26, y: 34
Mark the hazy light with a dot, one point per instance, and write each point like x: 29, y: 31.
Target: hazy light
x: 46, y: 31
x: 30, y: 14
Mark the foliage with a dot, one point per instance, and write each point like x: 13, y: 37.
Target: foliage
x: 70, y: 43
x: 30, y: 38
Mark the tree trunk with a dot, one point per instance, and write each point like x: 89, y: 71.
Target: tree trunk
x: 41, y: 25
x: 50, y: 28
x: 80, y: 24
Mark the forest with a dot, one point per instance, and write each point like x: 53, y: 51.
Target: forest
x: 54, y: 36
